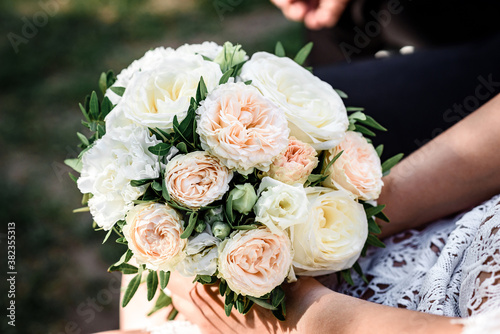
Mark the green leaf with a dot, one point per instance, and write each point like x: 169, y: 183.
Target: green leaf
x: 160, y: 149
x: 106, y: 107
x: 164, y: 191
x: 164, y: 278
x: 84, y: 112
x: 346, y: 275
x: 358, y: 115
x: 341, y: 93
x: 373, y: 227
x: 380, y: 150
x: 162, y: 301
x: 138, y: 183
x: 132, y: 288
x: 76, y: 164
x: 94, y: 106
x: 225, y: 77
x: 369, y: 121
x: 245, y: 227
x: 279, y: 313
x: 222, y: 287
x: 202, y: 91
x: 83, y: 139
x: 279, y: 50
x: 171, y: 316
x: 118, y: 90
x: 156, y: 186
x: 391, y: 162
x: 350, y: 109
x: 374, y: 241
x: 277, y: 296
x: 125, y: 268
x: 382, y: 216
x: 248, y: 82
x: 192, y: 223
x: 103, y: 83
x: 152, y: 284
x: 372, y: 211
x: 107, y: 236
x: 182, y: 147
x: 303, y: 53
x: 335, y: 158
x: 160, y: 134
x: 74, y: 178
x: 364, y: 130
x: 359, y: 271
x: 228, y: 307
x: 229, y: 209
x: 262, y: 303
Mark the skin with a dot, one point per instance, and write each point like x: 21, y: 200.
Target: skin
x: 453, y: 172
x: 316, y: 14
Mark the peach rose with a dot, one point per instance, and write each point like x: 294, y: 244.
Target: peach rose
x: 153, y: 232
x: 196, y: 179
x: 357, y: 170
x: 295, y: 164
x: 237, y: 124
x: 254, y: 262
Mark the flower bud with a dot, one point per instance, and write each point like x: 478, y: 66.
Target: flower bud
x: 244, y: 198
x: 221, y: 230
x: 214, y: 215
x: 230, y: 55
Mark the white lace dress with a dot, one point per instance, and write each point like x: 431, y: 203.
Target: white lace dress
x: 449, y: 268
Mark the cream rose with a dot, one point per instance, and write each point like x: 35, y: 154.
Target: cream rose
x: 153, y: 232
x: 315, y: 112
x: 334, y: 235
x: 241, y: 127
x: 196, y: 179
x: 295, y: 164
x: 153, y: 97
x: 206, y: 49
x: 357, y: 170
x: 280, y: 205
x: 254, y: 262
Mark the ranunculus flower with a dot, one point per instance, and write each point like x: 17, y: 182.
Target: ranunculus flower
x: 243, y: 198
x: 153, y: 232
x: 237, y: 124
x: 154, y: 96
x: 357, y: 170
x: 254, y: 262
x: 202, y: 254
x: 109, y: 166
x: 315, y: 112
x: 280, y: 205
x: 295, y: 164
x: 196, y: 179
x: 334, y: 235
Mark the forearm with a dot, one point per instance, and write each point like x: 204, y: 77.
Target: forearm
x: 456, y: 170
x: 326, y: 311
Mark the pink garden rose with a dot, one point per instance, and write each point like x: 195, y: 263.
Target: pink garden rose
x: 357, y: 170
x: 242, y: 128
x: 153, y: 232
x: 295, y: 164
x: 196, y: 179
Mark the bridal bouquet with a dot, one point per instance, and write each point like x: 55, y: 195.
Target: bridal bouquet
x: 233, y: 170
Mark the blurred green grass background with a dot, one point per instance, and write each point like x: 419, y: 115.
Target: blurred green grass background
x: 61, y: 265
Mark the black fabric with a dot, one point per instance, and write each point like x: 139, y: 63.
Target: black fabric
x: 418, y: 96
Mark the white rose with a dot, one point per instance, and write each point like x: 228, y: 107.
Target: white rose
x: 241, y: 127
x: 280, y: 205
x: 254, y: 262
x: 153, y: 232
x: 154, y: 96
x: 357, y: 170
x: 334, y: 235
x: 202, y: 254
x: 148, y: 61
x: 315, y: 112
x: 108, y: 167
x: 207, y: 49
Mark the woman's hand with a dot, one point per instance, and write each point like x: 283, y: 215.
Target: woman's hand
x: 316, y: 14
x: 204, y: 306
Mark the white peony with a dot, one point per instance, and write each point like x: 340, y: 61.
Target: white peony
x: 242, y: 128
x: 334, y: 235
x: 154, y: 96
x: 109, y: 166
x: 202, y: 254
x: 315, y: 112
x: 280, y: 205
x: 206, y: 49
x: 150, y: 60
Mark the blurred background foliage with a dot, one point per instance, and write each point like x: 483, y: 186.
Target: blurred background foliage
x: 44, y: 73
